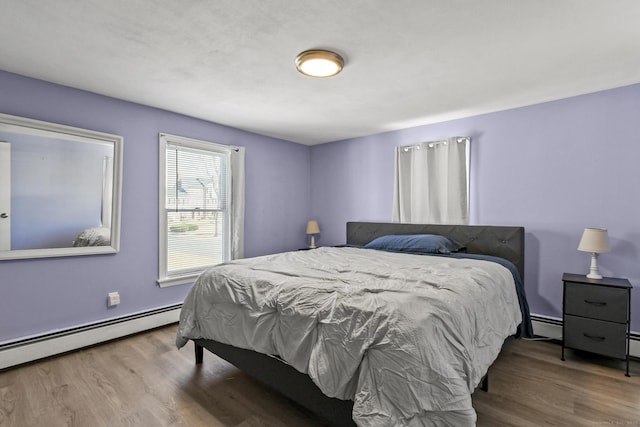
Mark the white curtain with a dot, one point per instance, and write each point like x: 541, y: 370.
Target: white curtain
x: 237, y: 202
x: 107, y: 191
x: 432, y: 182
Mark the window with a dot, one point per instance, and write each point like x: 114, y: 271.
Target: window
x: 197, y: 216
x: 432, y: 182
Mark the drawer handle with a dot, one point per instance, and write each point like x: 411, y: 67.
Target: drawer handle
x: 594, y: 337
x: 596, y: 303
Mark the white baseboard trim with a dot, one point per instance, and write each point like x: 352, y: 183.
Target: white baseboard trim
x: 53, y: 344
x: 553, y: 329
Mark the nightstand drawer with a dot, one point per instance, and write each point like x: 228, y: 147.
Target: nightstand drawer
x: 598, y: 302
x: 597, y: 336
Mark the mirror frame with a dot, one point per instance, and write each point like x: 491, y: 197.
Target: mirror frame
x: 17, y: 124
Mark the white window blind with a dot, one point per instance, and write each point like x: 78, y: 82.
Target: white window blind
x: 196, y: 200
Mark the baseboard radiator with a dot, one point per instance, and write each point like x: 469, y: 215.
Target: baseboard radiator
x: 28, y: 350
x: 552, y: 328
x: 24, y: 351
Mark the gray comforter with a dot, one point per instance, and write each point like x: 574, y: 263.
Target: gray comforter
x: 406, y: 337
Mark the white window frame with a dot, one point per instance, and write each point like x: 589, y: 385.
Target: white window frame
x: 164, y: 279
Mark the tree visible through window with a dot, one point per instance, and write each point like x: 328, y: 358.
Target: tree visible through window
x: 195, y: 211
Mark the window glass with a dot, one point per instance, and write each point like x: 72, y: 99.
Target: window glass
x: 195, y: 216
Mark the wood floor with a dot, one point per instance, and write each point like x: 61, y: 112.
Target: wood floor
x: 144, y: 381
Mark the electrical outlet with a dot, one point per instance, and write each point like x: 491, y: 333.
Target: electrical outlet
x: 113, y: 299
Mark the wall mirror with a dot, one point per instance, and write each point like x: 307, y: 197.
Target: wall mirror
x: 60, y: 190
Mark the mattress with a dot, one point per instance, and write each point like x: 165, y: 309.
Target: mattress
x: 406, y: 337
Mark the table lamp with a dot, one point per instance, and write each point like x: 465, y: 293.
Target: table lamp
x: 313, y: 229
x: 596, y: 241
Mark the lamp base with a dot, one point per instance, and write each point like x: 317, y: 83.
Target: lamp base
x: 594, y: 273
x: 313, y: 242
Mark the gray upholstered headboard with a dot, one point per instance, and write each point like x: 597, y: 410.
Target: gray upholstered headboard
x: 502, y: 241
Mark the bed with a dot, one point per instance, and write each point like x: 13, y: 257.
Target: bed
x: 94, y: 236
x: 382, y: 371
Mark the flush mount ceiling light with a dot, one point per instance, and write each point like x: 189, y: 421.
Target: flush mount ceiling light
x: 319, y: 63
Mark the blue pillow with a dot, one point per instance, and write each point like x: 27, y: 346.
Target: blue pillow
x: 415, y: 243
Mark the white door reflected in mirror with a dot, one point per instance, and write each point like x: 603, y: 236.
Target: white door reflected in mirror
x: 5, y: 196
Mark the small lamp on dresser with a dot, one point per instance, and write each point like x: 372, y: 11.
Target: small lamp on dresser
x: 596, y: 241
x: 312, y: 230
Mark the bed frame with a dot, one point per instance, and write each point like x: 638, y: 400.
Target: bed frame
x: 501, y: 241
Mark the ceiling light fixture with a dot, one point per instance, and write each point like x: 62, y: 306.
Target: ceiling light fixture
x: 319, y: 63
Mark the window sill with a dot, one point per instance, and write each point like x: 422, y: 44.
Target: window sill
x: 174, y: 281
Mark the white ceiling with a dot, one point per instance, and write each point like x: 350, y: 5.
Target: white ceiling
x: 408, y: 62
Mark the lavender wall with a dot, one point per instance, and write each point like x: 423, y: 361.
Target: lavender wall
x: 44, y: 295
x: 554, y: 168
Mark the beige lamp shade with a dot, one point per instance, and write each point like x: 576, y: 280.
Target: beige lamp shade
x: 312, y: 227
x: 594, y: 240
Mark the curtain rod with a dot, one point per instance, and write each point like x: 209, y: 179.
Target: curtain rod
x: 431, y: 144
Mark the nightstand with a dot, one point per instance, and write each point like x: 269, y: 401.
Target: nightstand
x: 596, y: 315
